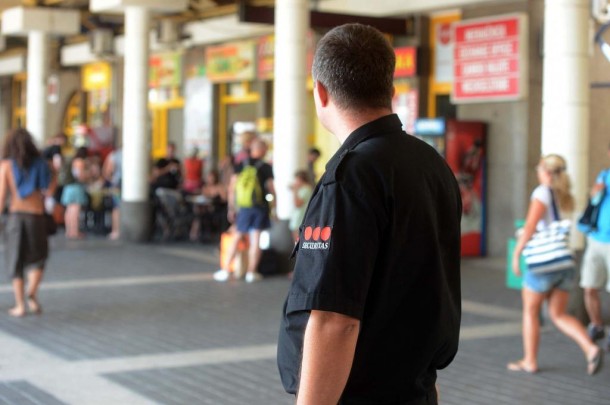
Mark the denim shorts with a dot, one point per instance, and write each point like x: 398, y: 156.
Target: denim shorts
x: 545, y: 282
x: 252, y: 219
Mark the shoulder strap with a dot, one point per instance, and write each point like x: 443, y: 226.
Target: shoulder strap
x: 554, y: 206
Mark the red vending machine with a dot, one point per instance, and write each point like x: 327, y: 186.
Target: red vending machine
x: 462, y: 143
x: 465, y: 152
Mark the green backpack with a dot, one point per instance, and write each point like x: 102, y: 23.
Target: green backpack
x: 248, y: 190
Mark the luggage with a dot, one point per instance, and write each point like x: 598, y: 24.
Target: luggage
x: 239, y: 265
x: 269, y: 264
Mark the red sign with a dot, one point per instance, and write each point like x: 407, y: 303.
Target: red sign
x: 490, y: 59
x: 406, y: 61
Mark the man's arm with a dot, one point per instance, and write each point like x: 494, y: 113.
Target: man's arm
x: 328, y: 353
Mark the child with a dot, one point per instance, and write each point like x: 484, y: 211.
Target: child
x: 301, y: 190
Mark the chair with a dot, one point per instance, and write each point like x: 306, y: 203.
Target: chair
x: 173, y: 214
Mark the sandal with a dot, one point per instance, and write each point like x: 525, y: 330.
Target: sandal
x: 519, y: 366
x: 595, y: 363
x: 34, y: 306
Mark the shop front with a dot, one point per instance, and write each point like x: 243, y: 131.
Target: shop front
x: 87, y: 118
x: 166, y: 103
x: 232, y: 69
x: 242, y: 74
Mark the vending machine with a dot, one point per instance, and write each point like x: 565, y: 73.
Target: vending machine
x: 462, y: 144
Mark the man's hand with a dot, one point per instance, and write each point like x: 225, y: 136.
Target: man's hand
x: 328, y: 353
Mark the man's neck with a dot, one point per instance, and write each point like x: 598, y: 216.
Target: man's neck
x: 349, y: 121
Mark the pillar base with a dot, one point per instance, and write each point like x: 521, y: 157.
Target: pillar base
x: 136, y: 221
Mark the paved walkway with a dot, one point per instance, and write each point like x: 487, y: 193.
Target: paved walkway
x: 144, y: 324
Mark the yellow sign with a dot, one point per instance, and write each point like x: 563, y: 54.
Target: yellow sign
x: 231, y: 62
x: 96, y: 76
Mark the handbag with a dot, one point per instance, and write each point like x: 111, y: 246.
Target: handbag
x: 548, y: 250
x: 588, y: 220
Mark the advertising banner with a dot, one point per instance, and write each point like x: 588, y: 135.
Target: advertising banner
x: 406, y: 62
x: 265, y: 49
x: 165, y: 70
x: 198, y: 116
x: 266, y: 57
x: 490, y: 59
x: 231, y: 62
x: 443, y: 52
x: 406, y: 105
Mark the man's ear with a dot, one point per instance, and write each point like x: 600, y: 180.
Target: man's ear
x: 322, y: 94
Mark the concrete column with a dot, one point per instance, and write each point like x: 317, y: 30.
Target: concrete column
x: 135, y: 208
x: 290, y: 98
x: 36, y: 99
x: 37, y: 23
x: 565, y: 93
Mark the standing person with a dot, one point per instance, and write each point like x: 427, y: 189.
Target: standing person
x: 595, y: 270
x: 193, y: 172
x: 301, y: 193
x: 25, y: 176
x: 113, y: 173
x: 374, y: 306
x: 248, y: 207
x: 74, y: 195
x: 549, y: 201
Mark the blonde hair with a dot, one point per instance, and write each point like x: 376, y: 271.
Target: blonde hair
x: 555, y: 166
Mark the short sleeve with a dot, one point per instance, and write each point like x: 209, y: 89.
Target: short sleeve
x: 337, y: 250
x: 267, y: 171
x: 542, y: 194
x: 602, y: 177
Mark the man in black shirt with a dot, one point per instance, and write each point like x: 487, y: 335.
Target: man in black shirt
x: 374, y: 307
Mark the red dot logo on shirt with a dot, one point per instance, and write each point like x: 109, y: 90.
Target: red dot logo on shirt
x: 308, y: 232
x: 325, y: 234
x: 316, y: 238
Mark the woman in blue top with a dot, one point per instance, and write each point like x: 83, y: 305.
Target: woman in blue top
x: 25, y: 175
x: 550, y: 200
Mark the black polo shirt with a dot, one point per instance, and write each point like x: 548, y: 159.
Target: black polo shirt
x: 380, y: 242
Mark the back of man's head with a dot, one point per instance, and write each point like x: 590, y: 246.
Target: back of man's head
x: 355, y: 63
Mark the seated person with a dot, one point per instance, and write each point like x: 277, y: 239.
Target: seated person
x: 211, y: 214
x: 165, y: 174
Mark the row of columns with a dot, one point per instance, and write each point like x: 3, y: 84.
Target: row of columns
x: 565, y: 108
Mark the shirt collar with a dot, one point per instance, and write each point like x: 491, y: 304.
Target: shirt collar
x: 385, y: 124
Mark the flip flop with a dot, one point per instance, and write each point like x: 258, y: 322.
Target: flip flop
x: 518, y: 366
x: 595, y: 363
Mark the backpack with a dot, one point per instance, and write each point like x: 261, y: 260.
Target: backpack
x: 248, y: 190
